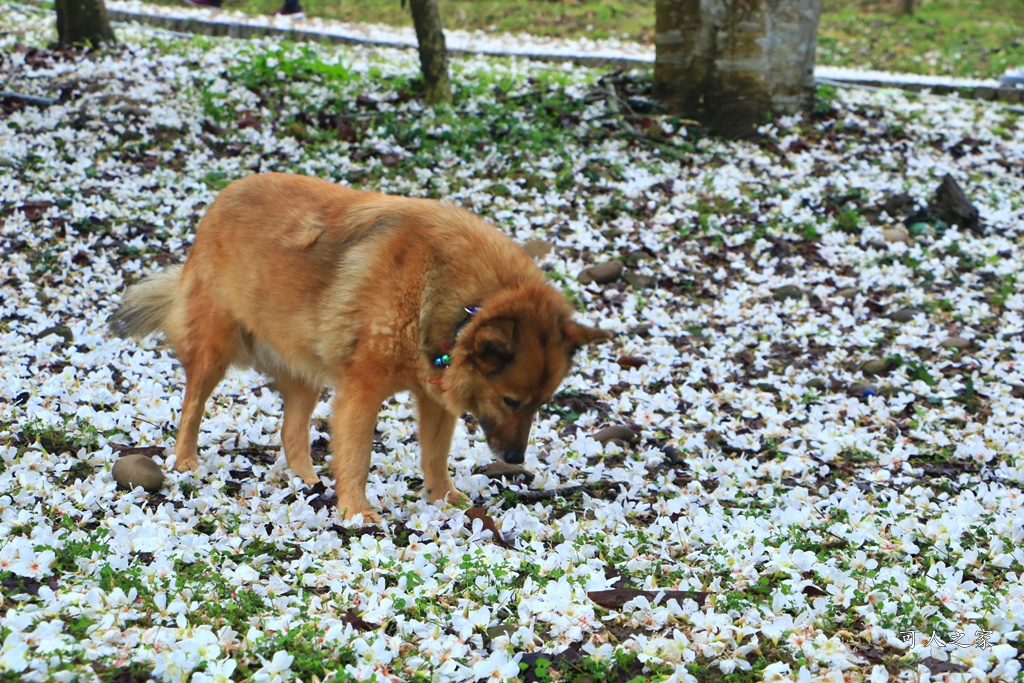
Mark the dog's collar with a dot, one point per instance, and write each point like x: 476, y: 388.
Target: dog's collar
x: 444, y: 359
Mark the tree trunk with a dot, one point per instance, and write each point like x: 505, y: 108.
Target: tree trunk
x: 433, y: 52
x: 731, y: 63
x: 906, y: 8
x: 81, y: 22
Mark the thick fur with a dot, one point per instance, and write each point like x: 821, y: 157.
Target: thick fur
x: 315, y: 284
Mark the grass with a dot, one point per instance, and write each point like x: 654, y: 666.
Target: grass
x: 980, y: 38
x: 943, y: 37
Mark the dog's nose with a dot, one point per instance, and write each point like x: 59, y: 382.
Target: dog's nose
x: 514, y: 456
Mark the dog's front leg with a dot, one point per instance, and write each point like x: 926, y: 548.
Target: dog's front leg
x: 356, y: 404
x: 436, y: 428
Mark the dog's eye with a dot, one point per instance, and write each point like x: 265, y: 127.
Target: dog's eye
x: 512, y: 403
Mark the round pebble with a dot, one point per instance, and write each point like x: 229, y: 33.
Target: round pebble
x: 538, y: 249
x: 958, y: 343
x: 638, y: 281
x: 638, y: 256
x: 62, y: 331
x: 602, y: 273
x: 620, y: 433
x: 817, y: 384
x: 875, y: 368
x: 906, y: 315
x: 135, y: 469
x: 897, y: 234
x: 863, y: 389
x: 506, y: 470
x: 787, y: 292
x: 847, y: 292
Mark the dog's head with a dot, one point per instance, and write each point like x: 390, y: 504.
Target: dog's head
x: 511, y: 358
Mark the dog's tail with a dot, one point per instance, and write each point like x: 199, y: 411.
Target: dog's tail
x: 146, y: 305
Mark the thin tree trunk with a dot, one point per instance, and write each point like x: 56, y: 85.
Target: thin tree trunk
x: 81, y: 22
x: 906, y: 8
x: 731, y: 63
x: 433, y: 52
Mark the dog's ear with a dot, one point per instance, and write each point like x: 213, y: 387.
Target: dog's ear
x: 492, y: 345
x: 577, y: 336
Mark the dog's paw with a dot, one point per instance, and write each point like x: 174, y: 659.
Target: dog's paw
x: 350, y: 510
x: 368, y: 517
x: 311, y: 480
x: 452, y: 497
x: 186, y: 464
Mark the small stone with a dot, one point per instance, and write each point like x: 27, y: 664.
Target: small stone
x: 922, y: 228
x: 919, y: 227
x: 538, y: 249
x: 787, y: 292
x: 848, y: 292
x: 875, y: 368
x: 888, y: 391
x: 672, y: 454
x: 951, y: 206
x: 899, y: 205
x: 500, y: 630
x: 62, y: 331
x: 897, y: 234
x: 863, y: 389
x: 506, y: 470
x: 135, y: 469
x: 638, y: 256
x: 767, y: 388
x: 631, y: 361
x: 638, y: 281
x: 602, y: 273
x: 906, y: 315
x: 1017, y: 391
x: 817, y: 384
x: 958, y: 343
x: 132, y: 110
x: 619, y: 433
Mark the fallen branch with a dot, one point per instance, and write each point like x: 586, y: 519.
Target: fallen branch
x: 547, y: 494
x: 617, y: 597
x: 28, y: 99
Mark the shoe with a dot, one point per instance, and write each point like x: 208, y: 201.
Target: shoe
x: 289, y: 11
x: 208, y: 4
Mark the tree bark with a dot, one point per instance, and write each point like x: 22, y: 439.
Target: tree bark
x: 433, y: 51
x: 731, y: 63
x: 81, y: 22
x: 906, y: 8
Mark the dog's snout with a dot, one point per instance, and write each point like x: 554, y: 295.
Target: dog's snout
x: 514, y: 456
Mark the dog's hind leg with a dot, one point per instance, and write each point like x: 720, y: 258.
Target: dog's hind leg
x: 300, y: 399
x: 437, y: 426
x: 205, y: 347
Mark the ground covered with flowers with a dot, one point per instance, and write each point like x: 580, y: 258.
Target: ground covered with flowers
x: 816, y: 384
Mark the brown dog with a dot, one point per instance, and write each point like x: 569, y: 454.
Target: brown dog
x: 313, y: 283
